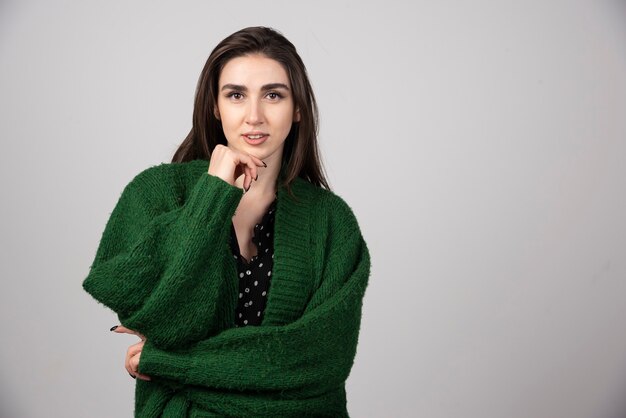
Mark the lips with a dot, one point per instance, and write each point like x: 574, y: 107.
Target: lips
x: 256, y: 138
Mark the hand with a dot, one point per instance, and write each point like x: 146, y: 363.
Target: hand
x: 133, y: 354
x: 229, y: 165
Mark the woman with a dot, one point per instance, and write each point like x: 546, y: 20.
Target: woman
x: 239, y: 269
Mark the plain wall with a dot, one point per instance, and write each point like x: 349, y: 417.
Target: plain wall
x: 480, y: 145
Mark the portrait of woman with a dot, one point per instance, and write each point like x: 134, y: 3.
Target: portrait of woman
x: 314, y: 209
x: 235, y: 264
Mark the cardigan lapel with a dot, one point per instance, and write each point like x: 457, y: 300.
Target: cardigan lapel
x: 291, y: 284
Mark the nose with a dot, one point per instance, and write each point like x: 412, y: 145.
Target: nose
x: 255, y: 113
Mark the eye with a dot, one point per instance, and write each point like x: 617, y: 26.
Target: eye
x: 234, y: 95
x: 274, y: 95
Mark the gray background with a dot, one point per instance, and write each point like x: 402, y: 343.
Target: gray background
x: 480, y: 145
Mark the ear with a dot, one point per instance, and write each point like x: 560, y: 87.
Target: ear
x: 216, y: 112
x: 296, y: 116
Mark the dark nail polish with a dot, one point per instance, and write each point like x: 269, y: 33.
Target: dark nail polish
x: 114, y: 328
x: 131, y: 376
x: 257, y: 177
x: 248, y: 187
x: 264, y: 163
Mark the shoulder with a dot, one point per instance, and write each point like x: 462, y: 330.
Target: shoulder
x: 166, y: 184
x: 168, y: 173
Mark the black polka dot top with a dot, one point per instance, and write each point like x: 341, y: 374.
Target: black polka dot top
x: 254, y: 276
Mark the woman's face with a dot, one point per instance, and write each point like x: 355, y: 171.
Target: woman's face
x: 255, y: 105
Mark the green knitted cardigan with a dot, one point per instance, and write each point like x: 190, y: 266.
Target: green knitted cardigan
x: 165, y: 267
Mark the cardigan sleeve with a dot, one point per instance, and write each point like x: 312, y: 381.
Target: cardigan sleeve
x: 149, y: 260
x: 306, y: 357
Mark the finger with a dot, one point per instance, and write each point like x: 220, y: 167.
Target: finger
x: 130, y: 353
x: 142, y: 376
x: 134, y: 364
x: 121, y: 329
x: 127, y: 362
x: 251, y: 167
x: 237, y: 158
x: 259, y: 162
x: 247, y: 181
x: 252, y: 163
x: 254, y: 175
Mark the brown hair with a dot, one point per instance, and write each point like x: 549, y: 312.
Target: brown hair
x: 300, y: 154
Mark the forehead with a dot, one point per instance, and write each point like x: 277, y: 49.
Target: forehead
x: 253, y: 70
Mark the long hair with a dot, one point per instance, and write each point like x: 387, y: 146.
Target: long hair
x: 301, y: 156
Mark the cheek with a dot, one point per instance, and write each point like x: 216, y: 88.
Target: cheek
x: 229, y: 126
x: 284, y: 118
x: 229, y: 118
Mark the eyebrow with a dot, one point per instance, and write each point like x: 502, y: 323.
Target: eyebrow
x: 264, y: 87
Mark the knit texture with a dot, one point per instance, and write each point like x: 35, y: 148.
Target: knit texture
x: 164, y: 265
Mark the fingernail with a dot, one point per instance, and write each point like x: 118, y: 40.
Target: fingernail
x: 132, y: 376
x: 264, y: 163
x: 248, y: 187
x: 114, y: 328
x: 257, y: 177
